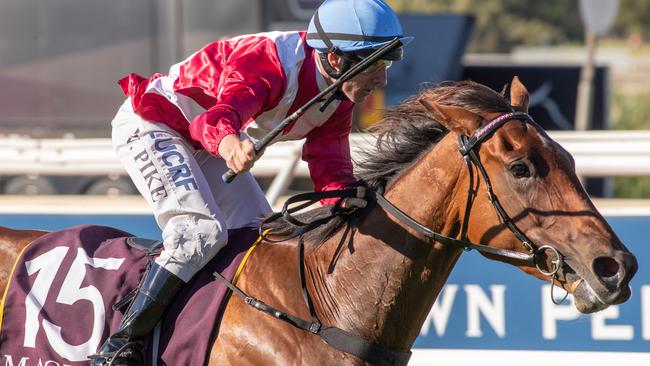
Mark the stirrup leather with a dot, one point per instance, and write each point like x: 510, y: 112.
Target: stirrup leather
x: 127, y: 346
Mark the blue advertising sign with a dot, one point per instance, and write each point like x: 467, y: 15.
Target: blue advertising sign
x: 491, y: 305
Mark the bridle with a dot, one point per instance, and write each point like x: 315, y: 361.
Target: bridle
x: 372, y: 352
x: 467, y: 149
x: 468, y: 146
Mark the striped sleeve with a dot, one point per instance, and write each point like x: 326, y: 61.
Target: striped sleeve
x: 250, y: 81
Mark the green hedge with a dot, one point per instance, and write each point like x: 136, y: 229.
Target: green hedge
x: 631, y: 111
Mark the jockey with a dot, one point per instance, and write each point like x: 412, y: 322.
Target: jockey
x: 176, y: 134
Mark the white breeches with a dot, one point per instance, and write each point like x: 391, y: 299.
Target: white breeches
x: 183, y: 185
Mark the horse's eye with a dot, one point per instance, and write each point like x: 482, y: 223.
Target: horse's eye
x: 520, y: 170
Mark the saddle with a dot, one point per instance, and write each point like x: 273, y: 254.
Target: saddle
x: 68, y: 287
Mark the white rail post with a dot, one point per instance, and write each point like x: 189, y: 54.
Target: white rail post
x: 284, y: 177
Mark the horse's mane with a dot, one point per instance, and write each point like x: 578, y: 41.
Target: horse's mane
x: 404, y: 134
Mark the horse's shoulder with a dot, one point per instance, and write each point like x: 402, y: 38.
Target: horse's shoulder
x: 13, y: 235
x: 269, y: 264
x: 13, y: 241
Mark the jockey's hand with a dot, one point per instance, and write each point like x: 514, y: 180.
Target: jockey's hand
x: 238, y: 154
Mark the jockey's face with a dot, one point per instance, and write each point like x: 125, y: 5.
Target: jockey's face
x: 359, y: 87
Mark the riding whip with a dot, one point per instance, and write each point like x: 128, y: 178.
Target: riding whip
x: 356, y: 69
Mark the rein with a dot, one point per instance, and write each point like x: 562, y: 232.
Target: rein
x: 342, y: 340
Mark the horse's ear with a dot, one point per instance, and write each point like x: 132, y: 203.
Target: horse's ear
x: 503, y: 90
x: 454, y: 119
x: 518, y: 95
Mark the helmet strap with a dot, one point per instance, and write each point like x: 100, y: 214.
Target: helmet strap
x: 338, y: 94
x: 331, y: 48
x: 329, y: 69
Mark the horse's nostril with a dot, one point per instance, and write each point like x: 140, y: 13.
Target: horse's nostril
x: 606, y: 267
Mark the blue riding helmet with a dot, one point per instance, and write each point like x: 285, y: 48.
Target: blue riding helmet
x: 354, y: 28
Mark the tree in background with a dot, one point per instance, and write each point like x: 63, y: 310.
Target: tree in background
x: 502, y: 25
x: 632, y: 22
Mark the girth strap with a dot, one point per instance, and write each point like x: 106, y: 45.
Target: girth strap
x: 311, y: 327
x: 373, y: 353
x: 337, y: 338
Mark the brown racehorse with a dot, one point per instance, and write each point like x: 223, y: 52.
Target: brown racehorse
x: 374, y: 276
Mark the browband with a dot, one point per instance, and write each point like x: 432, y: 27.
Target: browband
x: 484, y: 132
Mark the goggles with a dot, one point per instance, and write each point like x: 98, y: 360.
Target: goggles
x: 395, y: 55
x: 379, y: 65
x: 382, y: 64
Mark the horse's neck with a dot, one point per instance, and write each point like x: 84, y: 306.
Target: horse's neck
x: 381, y: 281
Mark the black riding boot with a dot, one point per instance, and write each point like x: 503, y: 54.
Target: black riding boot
x: 126, y: 346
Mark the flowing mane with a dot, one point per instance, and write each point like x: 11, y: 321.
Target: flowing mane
x: 408, y: 131
x: 404, y: 134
